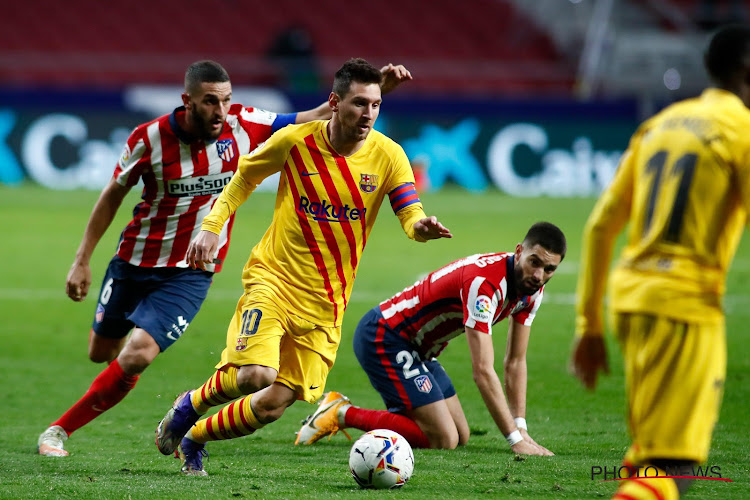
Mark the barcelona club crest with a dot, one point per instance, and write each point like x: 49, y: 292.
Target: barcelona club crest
x: 225, y: 148
x: 368, y: 182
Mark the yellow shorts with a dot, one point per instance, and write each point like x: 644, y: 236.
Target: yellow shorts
x: 674, y: 374
x: 264, y: 332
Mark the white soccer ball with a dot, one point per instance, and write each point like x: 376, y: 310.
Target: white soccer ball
x: 381, y: 459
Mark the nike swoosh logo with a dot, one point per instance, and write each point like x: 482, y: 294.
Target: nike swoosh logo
x: 313, y: 387
x: 308, y: 174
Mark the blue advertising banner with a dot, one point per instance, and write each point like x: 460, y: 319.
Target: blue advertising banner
x: 554, y: 148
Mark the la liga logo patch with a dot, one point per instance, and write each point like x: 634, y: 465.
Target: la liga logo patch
x: 483, y: 304
x: 482, y: 308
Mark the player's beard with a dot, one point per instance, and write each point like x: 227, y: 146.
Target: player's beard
x: 203, y: 127
x: 352, y: 133
x: 523, y: 286
x: 362, y: 135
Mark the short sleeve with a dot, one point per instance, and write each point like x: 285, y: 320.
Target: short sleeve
x: 526, y: 315
x: 259, y: 123
x: 400, y: 171
x: 134, y: 160
x: 480, y: 301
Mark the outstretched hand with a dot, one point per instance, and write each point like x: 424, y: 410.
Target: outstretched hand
x: 589, y: 357
x: 430, y: 228
x: 393, y: 76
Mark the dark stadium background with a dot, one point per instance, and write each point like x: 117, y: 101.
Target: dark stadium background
x: 577, y: 76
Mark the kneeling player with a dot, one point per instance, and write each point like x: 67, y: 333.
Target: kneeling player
x: 397, y: 343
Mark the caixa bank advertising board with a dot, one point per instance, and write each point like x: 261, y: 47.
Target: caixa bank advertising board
x: 528, y: 148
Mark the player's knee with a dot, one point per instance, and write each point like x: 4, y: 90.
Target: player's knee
x: 134, y: 362
x: 269, y: 406
x: 103, y: 350
x: 252, y: 378
x: 101, y: 356
x: 444, y: 441
x: 139, y: 352
x: 268, y: 413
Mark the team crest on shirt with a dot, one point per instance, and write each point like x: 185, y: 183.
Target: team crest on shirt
x: 520, y: 305
x: 226, y: 149
x: 368, y: 182
x: 423, y: 384
x: 241, y: 344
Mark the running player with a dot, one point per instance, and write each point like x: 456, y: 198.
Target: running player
x: 283, y: 338
x: 184, y: 160
x: 683, y: 189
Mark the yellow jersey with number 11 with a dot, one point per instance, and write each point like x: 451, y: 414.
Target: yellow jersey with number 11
x: 683, y: 186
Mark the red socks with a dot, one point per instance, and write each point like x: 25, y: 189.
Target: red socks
x: 367, y: 420
x: 108, y: 389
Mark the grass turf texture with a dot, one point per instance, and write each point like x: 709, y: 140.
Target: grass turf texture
x: 44, y: 368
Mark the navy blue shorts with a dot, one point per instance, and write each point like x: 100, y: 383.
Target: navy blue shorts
x: 162, y: 301
x: 395, y: 368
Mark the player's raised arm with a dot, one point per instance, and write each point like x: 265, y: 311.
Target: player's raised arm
x: 393, y: 76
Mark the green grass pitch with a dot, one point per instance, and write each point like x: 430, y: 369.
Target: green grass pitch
x: 44, y: 368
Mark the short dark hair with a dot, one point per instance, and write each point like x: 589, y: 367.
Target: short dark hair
x: 548, y: 236
x: 204, y: 72
x: 354, y: 70
x: 727, y: 53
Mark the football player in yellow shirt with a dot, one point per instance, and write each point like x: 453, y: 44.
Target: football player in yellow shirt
x: 283, y: 338
x: 683, y: 188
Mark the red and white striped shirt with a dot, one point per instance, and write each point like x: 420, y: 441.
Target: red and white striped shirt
x: 182, y: 178
x: 477, y: 291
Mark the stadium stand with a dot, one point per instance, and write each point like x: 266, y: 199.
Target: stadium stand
x: 478, y: 46
x: 651, y: 49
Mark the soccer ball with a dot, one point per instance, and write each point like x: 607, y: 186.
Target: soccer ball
x: 381, y: 459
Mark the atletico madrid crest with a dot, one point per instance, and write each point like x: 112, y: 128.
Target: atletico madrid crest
x: 99, y: 313
x: 368, y: 182
x: 225, y: 148
x: 423, y: 384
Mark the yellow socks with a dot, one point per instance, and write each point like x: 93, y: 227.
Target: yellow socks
x: 234, y: 420
x: 219, y: 389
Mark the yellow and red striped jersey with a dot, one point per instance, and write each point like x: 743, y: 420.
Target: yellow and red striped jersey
x: 325, y: 209
x: 683, y: 186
